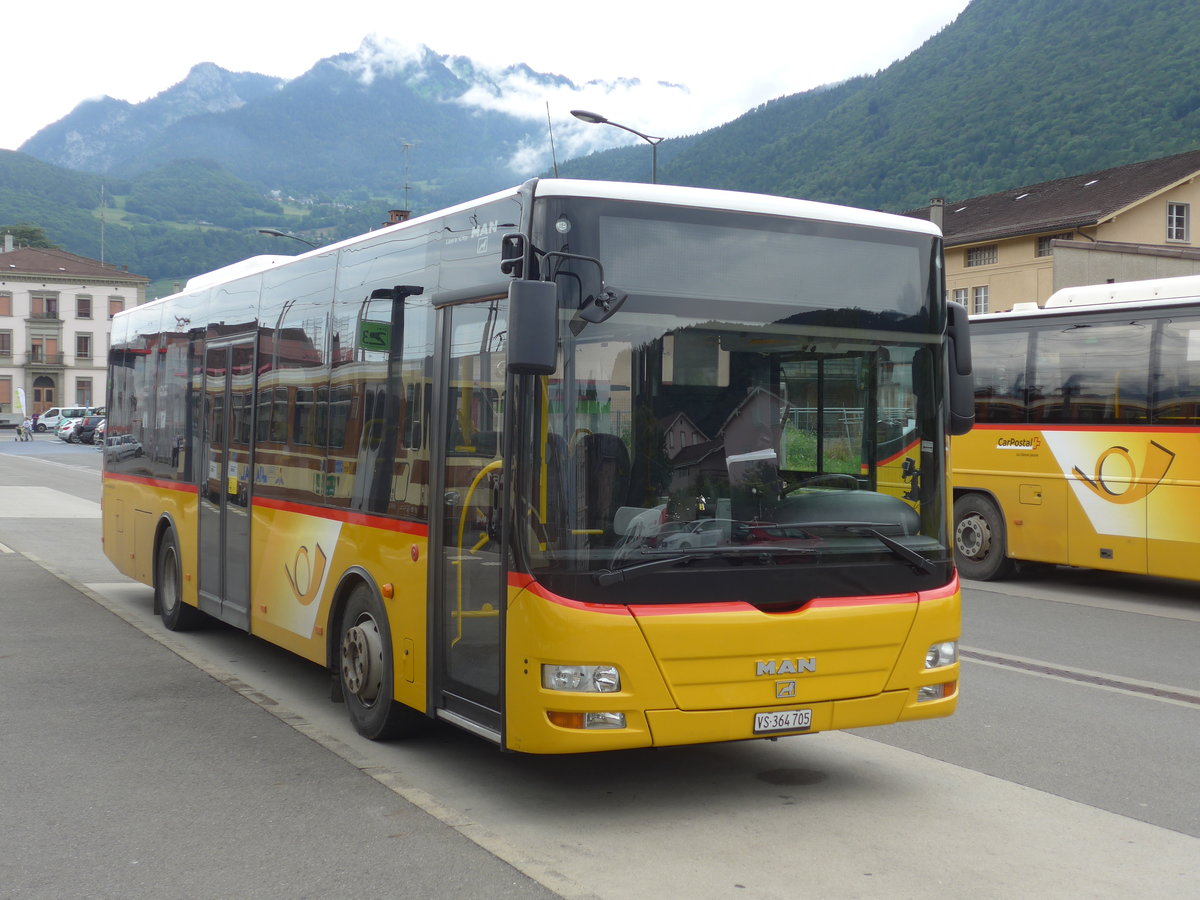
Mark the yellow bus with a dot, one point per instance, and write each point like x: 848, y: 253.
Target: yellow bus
x: 577, y: 466
x: 1084, y: 452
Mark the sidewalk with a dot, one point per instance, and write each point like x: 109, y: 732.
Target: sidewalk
x: 130, y: 773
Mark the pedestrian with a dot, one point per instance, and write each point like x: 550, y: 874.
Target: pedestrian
x: 27, y: 429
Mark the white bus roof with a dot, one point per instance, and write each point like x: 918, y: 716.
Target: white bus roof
x: 248, y: 266
x: 674, y: 195
x: 733, y: 201
x: 1126, y: 292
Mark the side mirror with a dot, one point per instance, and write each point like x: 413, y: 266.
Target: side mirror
x: 532, y: 327
x: 962, y: 379
x: 599, y: 308
x: 512, y: 255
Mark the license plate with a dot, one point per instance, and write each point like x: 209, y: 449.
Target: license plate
x: 782, y: 720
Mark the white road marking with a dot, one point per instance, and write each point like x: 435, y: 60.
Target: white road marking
x: 28, y: 502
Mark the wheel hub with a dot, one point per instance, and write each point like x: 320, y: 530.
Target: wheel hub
x: 362, y: 659
x: 973, y: 537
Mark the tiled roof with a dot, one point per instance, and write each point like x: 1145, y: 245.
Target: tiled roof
x: 1066, y: 203
x: 30, y: 261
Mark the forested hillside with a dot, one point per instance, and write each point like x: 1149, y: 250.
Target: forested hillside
x: 184, y: 218
x: 1013, y: 92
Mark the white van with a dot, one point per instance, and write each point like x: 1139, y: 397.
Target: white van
x: 56, y: 415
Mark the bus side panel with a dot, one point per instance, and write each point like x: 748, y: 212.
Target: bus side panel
x: 292, y: 578
x: 1015, y: 467
x: 118, y: 544
x: 300, y: 559
x: 1110, y: 473
x: 132, y: 510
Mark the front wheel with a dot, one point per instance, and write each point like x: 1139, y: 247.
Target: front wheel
x: 365, y: 670
x: 168, y: 593
x: 979, y: 544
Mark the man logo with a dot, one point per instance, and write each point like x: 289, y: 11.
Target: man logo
x: 785, y: 666
x: 785, y: 689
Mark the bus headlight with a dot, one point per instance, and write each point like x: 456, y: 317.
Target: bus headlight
x: 581, y: 679
x: 943, y: 653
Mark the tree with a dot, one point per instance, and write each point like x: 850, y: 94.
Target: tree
x: 26, y: 235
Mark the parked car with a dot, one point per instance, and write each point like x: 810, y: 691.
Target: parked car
x: 98, y: 434
x: 84, y: 430
x: 64, y: 428
x: 121, y: 446
x: 56, y: 415
x: 707, y: 533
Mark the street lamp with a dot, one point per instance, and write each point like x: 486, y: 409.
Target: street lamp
x: 275, y: 233
x: 596, y: 119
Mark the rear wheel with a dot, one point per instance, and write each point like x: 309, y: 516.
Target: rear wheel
x: 979, y: 540
x: 366, y: 670
x: 168, y: 592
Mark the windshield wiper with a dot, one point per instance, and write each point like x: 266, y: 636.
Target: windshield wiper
x: 910, y: 556
x: 607, y: 577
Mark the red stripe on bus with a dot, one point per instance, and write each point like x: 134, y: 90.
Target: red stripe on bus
x: 895, y: 456
x: 522, y: 580
x: 347, y: 516
x: 1086, y: 428
x: 181, y: 486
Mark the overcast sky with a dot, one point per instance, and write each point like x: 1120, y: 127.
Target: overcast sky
x: 722, y: 59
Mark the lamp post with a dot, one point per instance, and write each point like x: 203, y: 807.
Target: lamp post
x: 596, y: 119
x: 272, y: 232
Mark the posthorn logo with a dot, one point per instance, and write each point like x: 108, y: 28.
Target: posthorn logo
x: 1116, y: 477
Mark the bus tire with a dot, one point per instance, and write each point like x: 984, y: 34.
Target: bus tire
x: 168, y: 588
x: 365, y: 670
x: 979, y: 540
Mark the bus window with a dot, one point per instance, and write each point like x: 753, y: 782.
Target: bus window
x: 1097, y: 373
x: 1177, y: 376
x: 1000, y: 376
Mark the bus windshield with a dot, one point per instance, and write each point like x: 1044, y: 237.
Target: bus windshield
x: 770, y: 435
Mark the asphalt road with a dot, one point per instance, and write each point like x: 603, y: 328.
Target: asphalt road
x: 141, y: 763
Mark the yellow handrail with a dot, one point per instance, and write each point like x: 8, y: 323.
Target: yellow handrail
x: 462, y: 530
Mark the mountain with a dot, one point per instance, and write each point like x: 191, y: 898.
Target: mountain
x: 1013, y: 92
x: 100, y: 135
x: 341, y: 126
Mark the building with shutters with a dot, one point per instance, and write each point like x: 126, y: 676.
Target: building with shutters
x: 55, y: 313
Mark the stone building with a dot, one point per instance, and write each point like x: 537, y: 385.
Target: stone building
x: 55, y: 309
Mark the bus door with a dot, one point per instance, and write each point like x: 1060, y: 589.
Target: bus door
x: 224, y: 530
x: 468, y: 584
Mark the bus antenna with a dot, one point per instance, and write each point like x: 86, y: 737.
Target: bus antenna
x: 550, y: 128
